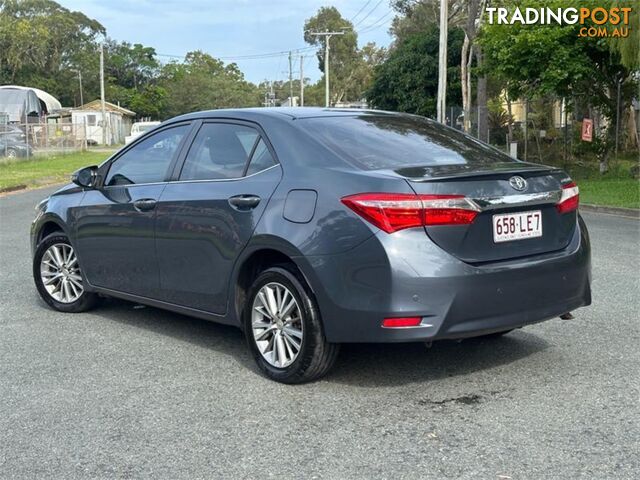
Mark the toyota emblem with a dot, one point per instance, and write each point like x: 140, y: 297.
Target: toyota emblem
x: 518, y: 183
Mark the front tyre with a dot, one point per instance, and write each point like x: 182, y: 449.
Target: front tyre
x: 57, y: 276
x: 283, y: 328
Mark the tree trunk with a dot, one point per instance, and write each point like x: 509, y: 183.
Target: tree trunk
x: 633, y: 129
x: 466, y: 94
x: 481, y: 100
x: 509, y: 120
x: 467, y: 80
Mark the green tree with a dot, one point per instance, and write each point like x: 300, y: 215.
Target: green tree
x: 535, y: 61
x: 42, y: 44
x: 418, y: 16
x: 629, y: 47
x: 131, y: 78
x: 129, y: 65
x: 408, y: 80
x: 203, y: 82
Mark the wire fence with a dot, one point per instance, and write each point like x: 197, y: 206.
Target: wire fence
x: 27, y: 140
x: 547, y: 131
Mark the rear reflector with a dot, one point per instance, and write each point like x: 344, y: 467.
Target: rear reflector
x: 396, y: 211
x: 401, y: 322
x: 570, y: 198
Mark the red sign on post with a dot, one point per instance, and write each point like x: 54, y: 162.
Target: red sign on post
x: 587, y: 130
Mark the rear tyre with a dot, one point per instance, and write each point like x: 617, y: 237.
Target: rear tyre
x: 283, y: 328
x: 12, y: 153
x: 58, y: 278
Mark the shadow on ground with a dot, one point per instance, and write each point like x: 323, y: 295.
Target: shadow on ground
x: 365, y: 365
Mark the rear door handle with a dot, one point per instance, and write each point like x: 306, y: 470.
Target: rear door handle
x: 244, y: 202
x: 144, y: 204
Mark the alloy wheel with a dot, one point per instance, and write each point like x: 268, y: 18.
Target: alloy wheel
x: 276, y: 321
x: 60, y: 273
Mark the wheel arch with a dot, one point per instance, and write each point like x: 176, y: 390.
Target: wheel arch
x: 44, y: 226
x: 257, y: 257
x: 47, y: 227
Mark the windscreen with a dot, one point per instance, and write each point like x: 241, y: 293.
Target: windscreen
x: 390, y: 142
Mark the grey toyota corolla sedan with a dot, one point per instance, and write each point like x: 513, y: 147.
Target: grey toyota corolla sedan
x: 309, y: 228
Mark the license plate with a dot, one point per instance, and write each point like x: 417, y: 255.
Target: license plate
x: 517, y: 226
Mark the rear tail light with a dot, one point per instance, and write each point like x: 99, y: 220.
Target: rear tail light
x: 448, y: 210
x: 570, y: 198
x: 396, y: 211
x: 402, y: 322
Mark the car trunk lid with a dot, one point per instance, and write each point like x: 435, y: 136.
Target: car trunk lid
x: 496, y: 190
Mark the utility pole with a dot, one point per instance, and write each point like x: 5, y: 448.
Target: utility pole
x: 102, y: 102
x: 290, y: 81
x: 327, y: 36
x: 442, y: 62
x: 301, y: 81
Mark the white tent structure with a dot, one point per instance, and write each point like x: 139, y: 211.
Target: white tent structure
x: 49, y: 100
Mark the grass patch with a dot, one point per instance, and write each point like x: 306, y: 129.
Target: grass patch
x: 46, y: 170
x: 616, y: 188
x: 610, y: 192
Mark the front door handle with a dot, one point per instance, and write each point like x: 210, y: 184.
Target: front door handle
x: 144, y: 204
x: 244, y: 202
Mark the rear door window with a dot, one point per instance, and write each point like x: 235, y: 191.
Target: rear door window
x: 220, y: 151
x: 261, y: 159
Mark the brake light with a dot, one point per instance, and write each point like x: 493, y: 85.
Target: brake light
x: 396, y: 211
x: 570, y: 198
x: 401, y: 322
x: 448, y: 209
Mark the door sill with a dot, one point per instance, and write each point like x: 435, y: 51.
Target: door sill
x: 191, y: 312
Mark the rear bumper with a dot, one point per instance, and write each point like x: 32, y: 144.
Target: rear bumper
x: 405, y: 274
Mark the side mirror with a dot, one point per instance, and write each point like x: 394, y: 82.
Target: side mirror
x: 85, y: 177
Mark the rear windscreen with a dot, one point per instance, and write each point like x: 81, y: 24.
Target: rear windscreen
x: 380, y: 142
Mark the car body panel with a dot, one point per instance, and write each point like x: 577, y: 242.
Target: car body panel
x: 199, y: 236
x: 110, y: 224
x: 402, y: 275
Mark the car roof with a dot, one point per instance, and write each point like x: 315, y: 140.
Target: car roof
x: 291, y: 113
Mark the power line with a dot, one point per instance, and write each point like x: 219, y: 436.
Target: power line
x: 360, y: 11
x: 255, y: 56
x: 368, y: 14
x: 378, y: 23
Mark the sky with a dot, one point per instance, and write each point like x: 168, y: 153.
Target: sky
x: 232, y: 29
